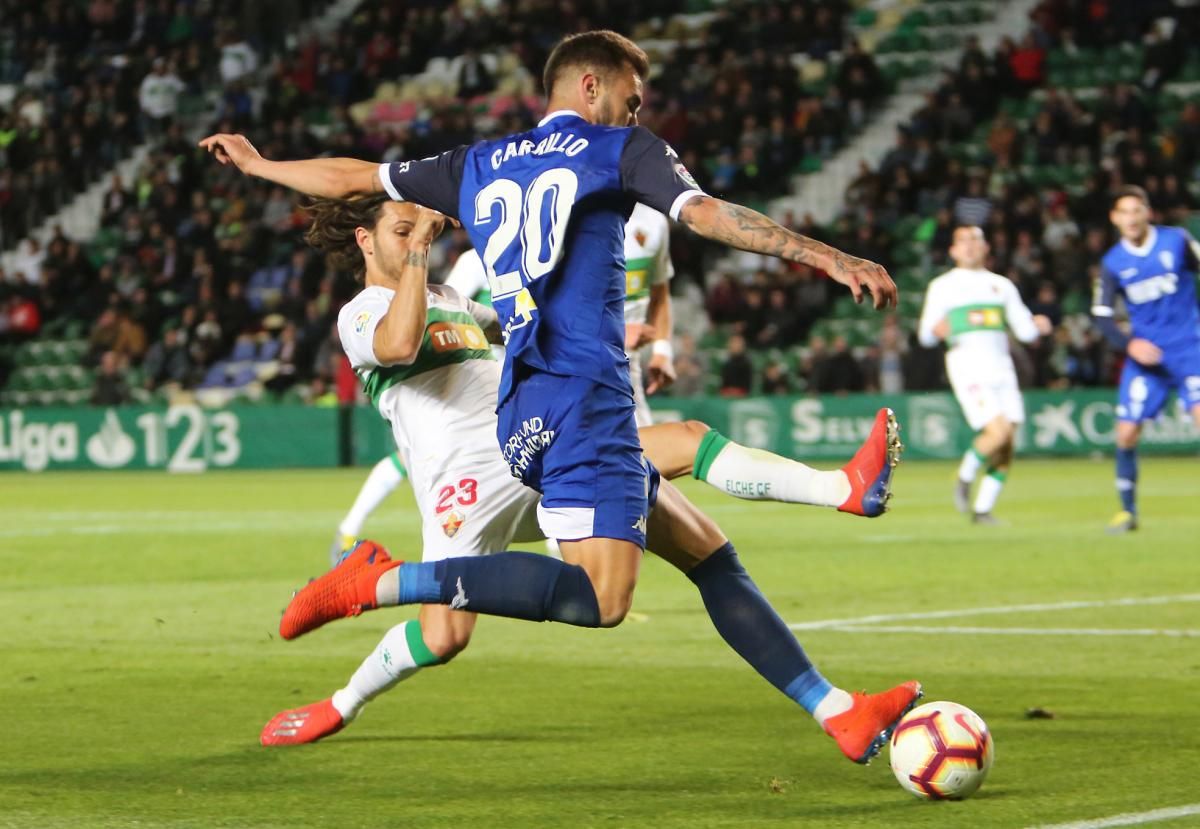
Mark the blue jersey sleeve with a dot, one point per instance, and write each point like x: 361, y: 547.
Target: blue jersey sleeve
x: 1104, y: 295
x: 652, y: 173
x: 1191, y: 252
x: 432, y: 182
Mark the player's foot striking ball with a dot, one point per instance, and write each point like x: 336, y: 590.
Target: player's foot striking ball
x: 864, y: 728
x: 870, y: 470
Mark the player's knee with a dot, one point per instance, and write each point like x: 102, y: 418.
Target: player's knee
x: 446, y: 641
x: 614, y: 606
x: 697, y: 428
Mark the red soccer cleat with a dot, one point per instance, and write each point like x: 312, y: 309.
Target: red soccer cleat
x: 870, y: 470
x: 864, y: 729
x: 346, y: 590
x: 302, y: 725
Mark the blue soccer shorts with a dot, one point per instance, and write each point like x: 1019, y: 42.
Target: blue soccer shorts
x: 576, y: 442
x: 1144, y: 389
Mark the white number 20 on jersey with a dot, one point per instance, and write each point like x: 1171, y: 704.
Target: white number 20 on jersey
x: 521, y: 213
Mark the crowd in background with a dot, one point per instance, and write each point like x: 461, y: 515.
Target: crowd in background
x: 195, y: 264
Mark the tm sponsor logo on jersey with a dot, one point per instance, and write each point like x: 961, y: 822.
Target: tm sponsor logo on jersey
x: 1148, y: 290
x: 454, y: 336
x: 522, y: 447
x: 555, y: 142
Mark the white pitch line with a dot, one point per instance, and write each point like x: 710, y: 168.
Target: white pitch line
x: 992, y: 611
x: 1130, y: 818
x: 970, y: 631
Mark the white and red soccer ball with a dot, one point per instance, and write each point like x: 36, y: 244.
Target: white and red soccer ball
x: 941, y: 751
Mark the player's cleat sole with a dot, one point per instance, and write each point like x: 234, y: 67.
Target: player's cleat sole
x: 962, y: 497
x: 302, y: 725
x: 346, y: 590
x: 873, y: 467
x: 863, y: 730
x: 1121, y: 523
x: 342, y: 544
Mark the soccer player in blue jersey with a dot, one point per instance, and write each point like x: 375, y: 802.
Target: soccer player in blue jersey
x: 1153, y: 267
x: 546, y: 210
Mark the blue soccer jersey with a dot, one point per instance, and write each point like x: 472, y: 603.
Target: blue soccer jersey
x: 546, y: 209
x: 1158, y: 283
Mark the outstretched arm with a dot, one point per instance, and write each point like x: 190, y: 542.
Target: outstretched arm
x: 329, y: 177
x: 747, y: 229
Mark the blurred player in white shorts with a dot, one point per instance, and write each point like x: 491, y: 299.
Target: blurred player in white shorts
x: 972, y: 310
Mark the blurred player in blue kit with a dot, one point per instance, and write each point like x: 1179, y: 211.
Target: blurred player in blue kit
x: 1153, y: 268
x: 546, y: 209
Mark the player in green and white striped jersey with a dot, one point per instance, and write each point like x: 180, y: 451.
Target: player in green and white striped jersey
x: 972, y: 309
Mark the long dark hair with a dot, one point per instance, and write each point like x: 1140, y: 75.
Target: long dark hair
x: 334, y: 222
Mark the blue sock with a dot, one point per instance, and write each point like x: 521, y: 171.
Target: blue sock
x: 517, y: 585
x: 748, y: 623
x: 1127, y: 478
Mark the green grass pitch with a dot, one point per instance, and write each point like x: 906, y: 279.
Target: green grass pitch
x: 139, y: 658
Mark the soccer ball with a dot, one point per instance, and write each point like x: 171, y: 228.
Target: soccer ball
x: 941, y: 751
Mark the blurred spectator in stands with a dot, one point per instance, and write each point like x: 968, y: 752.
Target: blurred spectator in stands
x: 103, y: 335
x: 973, y: 207
x: 1164, y: 54
x: 724, y: 301
x: 689, y: 371
x: 474, y: 79
x: 238, y: 58
x: 1046, y: 303
x: 27, y: 264
x: 158, y: 96
x: 206, y: 342
x: 890, y: 359
x: 838, y: 372
x: 130, y: 340
x: 285, y: 374
x: 167, y: 361
x: 737, y: 374
x: 1060, y: 227
x: 1027, y: 63
x: 23, y: 319
x: 775, y: 379
x: 779, y: 321
x: 110, y: 388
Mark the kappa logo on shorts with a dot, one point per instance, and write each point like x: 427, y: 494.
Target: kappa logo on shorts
x: 460, y: 599
x: 640, y: 524
x: 452, y: 523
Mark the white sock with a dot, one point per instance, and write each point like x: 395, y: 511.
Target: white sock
x: 391, y: 662
x: 969, y: 468
x: 989, y: 491
x: 552, y: 549
x: 756, y: 475
x: 834, y: 703
x: 384, y: 478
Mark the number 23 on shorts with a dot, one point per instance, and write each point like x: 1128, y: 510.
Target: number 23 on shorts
x: 465, y: 493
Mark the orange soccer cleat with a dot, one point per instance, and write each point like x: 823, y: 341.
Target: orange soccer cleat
x: 863, y: 730
x: 346, y: 590
x: 302, y: 725
x: 870, y: 470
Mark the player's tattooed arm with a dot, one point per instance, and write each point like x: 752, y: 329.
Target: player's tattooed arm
x: 746, y: 229
x: 329, y: 177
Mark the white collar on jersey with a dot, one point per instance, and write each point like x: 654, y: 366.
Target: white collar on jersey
x: 1146, y: 246
x: 558, y: 113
